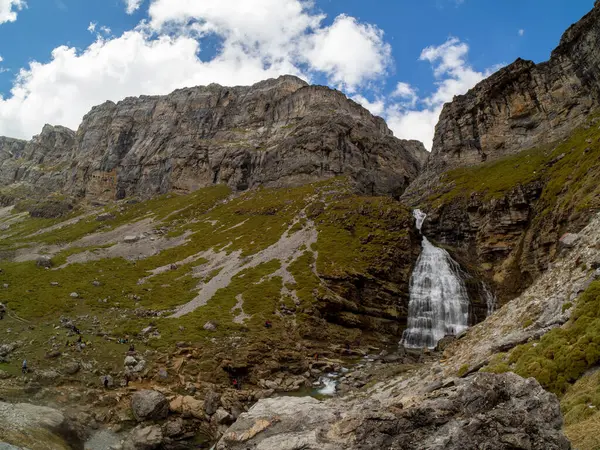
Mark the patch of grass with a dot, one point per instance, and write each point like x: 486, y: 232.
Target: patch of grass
x: 306, y: 280
x: 462, y: 371
x: 581, y: 411
x: 361, y: 234
x: 564, y: 354
x: 495, y: 178
x: 568, y: 173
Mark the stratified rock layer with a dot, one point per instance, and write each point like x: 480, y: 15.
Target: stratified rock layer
x: 279, y: 132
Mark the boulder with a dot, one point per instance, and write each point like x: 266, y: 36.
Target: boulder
x: 212, y: 401
x: 144, y: 438
x: 569, y: 240
x: 74, y: 295
x: 104, y: 217
x: 27, y: 426
x: 44, y: 261
x: 174, y: 427
x: 187, y: 406
x: 109, y: 378
x: 7, y: 349
x: 445, y: 342
x: 221, y: 417
x: 131, y: 239
x: 130, y: 361
x: 210, y: 326
x: 149, y: 405
x: 71, y: 368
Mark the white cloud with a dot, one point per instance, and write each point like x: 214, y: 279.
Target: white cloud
x: 9, y: 8
x: 521, y: 32
x: 454, y: 76
x: 1, y: 58
x: 406, y: 92
x: 376, y: 107
x: 92, y: 27
x: 259, y: 39
x: 132, y: 6
x: 286, y: 29
x: 348, y: 52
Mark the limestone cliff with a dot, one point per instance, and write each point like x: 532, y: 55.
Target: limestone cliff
x: 279, y: 132
x: 514, y: 162
x: 523, y: 105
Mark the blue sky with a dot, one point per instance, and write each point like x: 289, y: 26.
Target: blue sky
x: 363, y: 48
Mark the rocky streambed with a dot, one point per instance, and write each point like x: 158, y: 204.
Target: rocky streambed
x: 149, y: 414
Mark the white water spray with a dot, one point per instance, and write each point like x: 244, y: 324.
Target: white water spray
x: 329, y: 386
x: 439, y: 303
x: 490, y: 299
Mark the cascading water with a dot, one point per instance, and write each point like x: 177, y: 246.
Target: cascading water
x: 439, y: 303
x: 490, y: 299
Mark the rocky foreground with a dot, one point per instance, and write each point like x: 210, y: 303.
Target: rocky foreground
x: 482, y: 411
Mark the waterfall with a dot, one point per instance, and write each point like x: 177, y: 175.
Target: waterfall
x: 329, y: 385
x: 439, y: 303
x: 490, y: 299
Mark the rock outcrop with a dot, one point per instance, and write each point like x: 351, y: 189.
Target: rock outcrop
x: 279, y: 132
x: 483, y: 411
x: 37, y: 166
x: 29, y: 426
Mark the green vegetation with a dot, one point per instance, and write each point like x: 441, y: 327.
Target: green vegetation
x: 358, y: 236
x: 462, y: 371
x: 580, y: 407
x: 564, y: 354
x: 495, y: 178
x: 361, y: 235
x: 568, y: 173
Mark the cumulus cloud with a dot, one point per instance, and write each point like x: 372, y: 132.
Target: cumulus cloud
x: 92, y: 27
x: 258, y: 39
x: 9, y: 8
x: 328, y: 51
x: 521, y: 32
x: 407, y: 93
x: 132, y: 6
x: 376, y: 107
x: 286, y: 29
x: 454, y: 76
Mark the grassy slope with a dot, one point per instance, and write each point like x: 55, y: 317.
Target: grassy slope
x: 352, y: 239
x: 569, y: 171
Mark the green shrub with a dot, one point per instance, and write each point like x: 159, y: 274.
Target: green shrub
x: 564, y: 354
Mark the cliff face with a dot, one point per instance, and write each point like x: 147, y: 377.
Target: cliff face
x: 276, y: 133
x: 523, y: 105
x: 36, y: 167
x: 514, y: 162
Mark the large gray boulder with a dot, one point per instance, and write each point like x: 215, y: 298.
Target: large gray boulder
x: 149, y: 405
x: 144, y: 438
x: 482, y: 411
x: 25, y: 426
